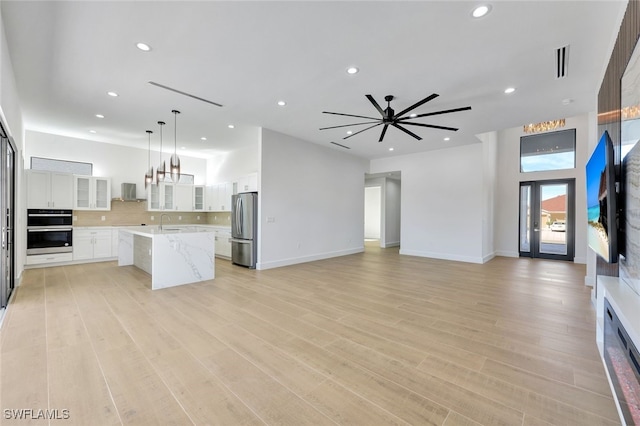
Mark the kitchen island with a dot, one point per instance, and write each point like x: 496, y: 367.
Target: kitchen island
x: 172, y: 256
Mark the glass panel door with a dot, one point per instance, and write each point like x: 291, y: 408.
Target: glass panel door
x: 547, y: 219
x: 7, y: 217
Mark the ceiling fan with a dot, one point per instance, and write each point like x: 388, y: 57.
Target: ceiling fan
x: 390, y: 118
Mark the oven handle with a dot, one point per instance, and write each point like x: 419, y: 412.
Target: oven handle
x: 49, y: 229
x: 49, y: 215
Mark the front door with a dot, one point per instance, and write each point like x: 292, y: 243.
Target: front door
x: 547, y: 214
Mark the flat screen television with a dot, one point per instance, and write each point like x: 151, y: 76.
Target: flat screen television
x: 601, y: 201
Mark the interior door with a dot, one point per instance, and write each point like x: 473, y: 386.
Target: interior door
x: 547, y: 219
x: 7, y: 216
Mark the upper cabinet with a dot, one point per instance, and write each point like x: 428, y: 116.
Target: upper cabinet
x: 218, y: 197
x: 198, y: 198
x: 49, y: 190
x: 248, y: 183
x: 91, y: 193
x: 168, y: 196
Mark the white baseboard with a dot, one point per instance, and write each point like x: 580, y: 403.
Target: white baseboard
x: 391, y: 244
x: 488, y: 257
x: 303, y: 259
x: 443, y: 256
x: 507, y: 253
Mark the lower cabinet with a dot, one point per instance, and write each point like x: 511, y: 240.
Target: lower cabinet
x: 91, y: 244
x: 223, y: 245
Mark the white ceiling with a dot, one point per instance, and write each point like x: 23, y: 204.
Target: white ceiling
x: 248, y: 55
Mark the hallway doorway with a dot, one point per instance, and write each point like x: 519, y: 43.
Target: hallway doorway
x: 382, y: 209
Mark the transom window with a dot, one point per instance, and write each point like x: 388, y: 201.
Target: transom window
x: 548, y: 151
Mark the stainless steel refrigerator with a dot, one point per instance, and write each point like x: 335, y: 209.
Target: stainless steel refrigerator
x: 244, y: 229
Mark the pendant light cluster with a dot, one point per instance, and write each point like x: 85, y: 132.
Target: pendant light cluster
x: 174, y: 164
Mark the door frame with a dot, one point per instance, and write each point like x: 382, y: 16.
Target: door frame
x: 570, y: 232
x: 8, y: 212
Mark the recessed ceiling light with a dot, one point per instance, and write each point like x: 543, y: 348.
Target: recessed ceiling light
x: 203, y: 138
x: 509, y: 90
x: 99, y: 115
x: 352, y: 70
x: 282, y: 103
x: 231, y: 126
x: 183, y: 147
x: 349, y: 132
x: 143, y: 46
x: 390, y: 149
x: 114, y: 94
x: 447, y: 139
x: 92, y: 131
x: 414, y: 115
x: 481, y: 11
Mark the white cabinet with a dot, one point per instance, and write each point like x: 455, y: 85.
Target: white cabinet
x: 169, y: 196
x: 160, y: 196
x: 223, y: 245
x: 248, y: 183
x: 115, y: 241
x: 183, y: 198
x: 91, y: 193
x: 49, y: 190
x: 198, y: 198
x: 91, y: 244
x: 218, y: 197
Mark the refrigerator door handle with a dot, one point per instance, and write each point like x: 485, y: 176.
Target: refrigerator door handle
x: 235, y: 240
x: 241, y: 221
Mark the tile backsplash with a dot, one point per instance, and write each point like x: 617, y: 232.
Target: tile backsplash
x: 125, y: 213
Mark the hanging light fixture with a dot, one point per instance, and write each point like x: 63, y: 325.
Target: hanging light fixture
x: 148, y: 177
x: 175, y: 160
x: 160, y: 171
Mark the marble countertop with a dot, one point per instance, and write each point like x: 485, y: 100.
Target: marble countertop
x: 150, y: 228
x: 150, y: 231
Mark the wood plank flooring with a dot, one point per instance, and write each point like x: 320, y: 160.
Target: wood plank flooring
x: 368, y: 339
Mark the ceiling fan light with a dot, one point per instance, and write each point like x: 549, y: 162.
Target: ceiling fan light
x: 352, y: 70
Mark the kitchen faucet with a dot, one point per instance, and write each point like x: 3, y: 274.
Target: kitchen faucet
x: 163, y: 214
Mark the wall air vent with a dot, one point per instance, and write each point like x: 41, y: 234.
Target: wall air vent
x: 342, y: 146
x: 562, y: 61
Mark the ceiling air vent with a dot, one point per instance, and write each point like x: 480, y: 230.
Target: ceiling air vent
x: 562, y: 61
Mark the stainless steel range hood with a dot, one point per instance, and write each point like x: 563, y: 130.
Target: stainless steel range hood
x: 128, y: 193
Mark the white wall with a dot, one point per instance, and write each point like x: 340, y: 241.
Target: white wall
x: 228, y: 167
x: 442, y: 204
x: 489, y: 188
x: 311, y: 202
x: 11, y: 116
x: 509, y: 178
x: 372, y: 211
x: 120, y: 163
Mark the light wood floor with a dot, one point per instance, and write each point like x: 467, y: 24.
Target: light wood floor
x: 366, y: 339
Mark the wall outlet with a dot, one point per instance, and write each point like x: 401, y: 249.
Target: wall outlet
x: 215, y: 217
x: 75, y: 218
x: 153, y: 218
x: 198, y: 217
x: 103, y: 218
x: 271, y: 219
x: 179, y: 217
x: 299, y: 245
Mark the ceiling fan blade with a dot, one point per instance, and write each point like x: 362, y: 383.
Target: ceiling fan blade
x: 444, y: 111
x: 371, y: 127
x: 406, y: 131
x: 384, y: 130
x: 375, y: 104
x: 417, y: 104
x: 350, y: 115
x: 348, y: 125
x: 433, y: 126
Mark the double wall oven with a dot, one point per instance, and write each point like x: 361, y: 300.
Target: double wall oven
x: 49, y: 231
